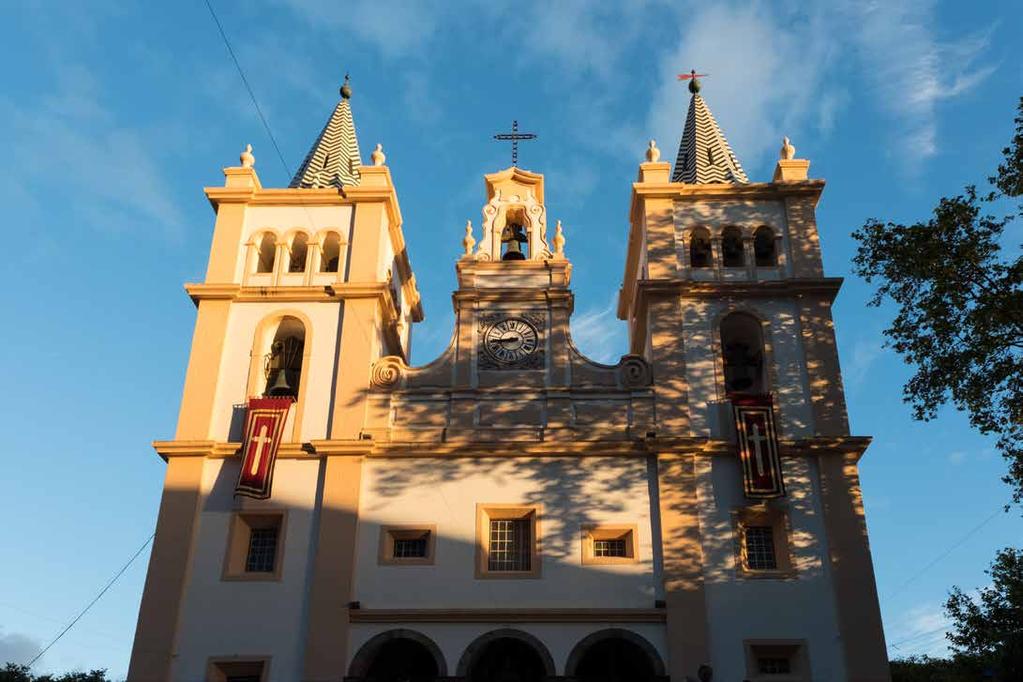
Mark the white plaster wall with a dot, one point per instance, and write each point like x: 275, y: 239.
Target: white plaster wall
x: 282, y: 219
x: 248, y: 618
x: 787, y: 377
x: 243, y: 320
x: 739, y: 609
x: 573, y: 491
x: 559, y: 638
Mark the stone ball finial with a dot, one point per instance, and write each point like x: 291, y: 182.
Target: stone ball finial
x: 246, y: 157
x: 378, y: 156
x: 787, y: 150
x: 346, y: 88
x: 694, y: 82
x: 468, y: 241
x: 653, y: 154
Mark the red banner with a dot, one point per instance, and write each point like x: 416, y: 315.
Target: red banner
x: 264, y: 426
x: 758, y: 446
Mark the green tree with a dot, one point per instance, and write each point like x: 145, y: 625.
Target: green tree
x: 12, y: 672
x: 988, y: 632
x: 959, y: 295
x: 925, y: 669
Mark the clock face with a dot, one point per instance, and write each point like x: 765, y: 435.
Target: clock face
x: 511, y: 340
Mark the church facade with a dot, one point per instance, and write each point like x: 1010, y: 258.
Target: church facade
x: 512, y: 510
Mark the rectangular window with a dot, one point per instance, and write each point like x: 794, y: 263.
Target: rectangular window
x: 613, y: 547
x: 510, y: 545
x: 781, y: 660
x: 608, y: 544
x: 507, y: 541
x: 760, y: 549
x: 410, y: 548
x: 238, y: 670
x: 406, y: 545
x: 255, y: 545
x: 262, y: 550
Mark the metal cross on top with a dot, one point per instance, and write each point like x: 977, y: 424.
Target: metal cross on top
x: 515, y: 136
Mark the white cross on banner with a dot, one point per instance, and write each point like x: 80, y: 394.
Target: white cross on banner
x: 757, y: 443
x: 264, y: 426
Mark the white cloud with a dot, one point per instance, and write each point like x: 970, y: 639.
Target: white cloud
x: 598, y: 334
x: 865, y: 352
x: 396, y: 28
x: 15, y: 648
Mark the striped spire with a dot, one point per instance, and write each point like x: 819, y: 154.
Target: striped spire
x: 704, y: 155
x: 334, y: 159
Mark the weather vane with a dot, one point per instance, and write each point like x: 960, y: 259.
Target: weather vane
x: 515, y: 136
x: 694, y: 85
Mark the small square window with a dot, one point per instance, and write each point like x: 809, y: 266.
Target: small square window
x: 777, y: 661
x: 238, y: 670
x: 507, y: 541
x: 609, y: 544
x: 255, y: 545
x: 406, y: 545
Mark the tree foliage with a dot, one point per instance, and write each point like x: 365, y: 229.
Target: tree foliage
x: 960, y: 304
x: 12, y: 672
x: 988, y: 631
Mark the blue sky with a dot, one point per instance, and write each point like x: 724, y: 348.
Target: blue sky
x: 113, y: 116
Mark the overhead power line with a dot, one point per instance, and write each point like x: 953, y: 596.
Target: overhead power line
x: 94, y: 600
x: 252, y: 95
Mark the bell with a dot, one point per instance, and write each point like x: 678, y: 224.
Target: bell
x: 281, y: 386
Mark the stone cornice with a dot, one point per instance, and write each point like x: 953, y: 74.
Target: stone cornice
x: 845, y: 446
x: 687, y: 288
x: 552, y: 615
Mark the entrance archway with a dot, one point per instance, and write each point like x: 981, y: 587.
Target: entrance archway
x: 506, y: 656
x: 398, y: 656
x: 614, y: 655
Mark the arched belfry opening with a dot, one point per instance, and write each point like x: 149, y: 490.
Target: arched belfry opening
x: 282, y: 363
x: 514, y: 218
x: 742, y: 354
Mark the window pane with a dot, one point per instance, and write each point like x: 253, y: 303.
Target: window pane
x: 612, y: 547
x: 774, y: 665
x: 262, y: 550
x: 510, y: 545
x: 760, y: 548
x: 410, y: 548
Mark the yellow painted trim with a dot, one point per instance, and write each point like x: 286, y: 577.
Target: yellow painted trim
x: 507, y: 615
x: 237, y: 549
x: 388, y: 534
x: 485, y: 512
x: 602, y: 531
x: 778, y: 520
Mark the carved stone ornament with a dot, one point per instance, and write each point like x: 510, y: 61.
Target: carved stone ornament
x: 513, y: 340
x: 635, y: 372
x: 387, y: 372
x: 495, y: 212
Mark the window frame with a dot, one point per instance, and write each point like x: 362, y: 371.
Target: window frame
x: 485, y: 512
x: 778, y: 520
x: 609, y: 531
x: 390, y: 533
x: 241, y: 525
x: 797, y: 654
x: 215, y: 666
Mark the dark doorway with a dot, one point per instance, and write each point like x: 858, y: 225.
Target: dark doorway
x: 615, y: 660
x: 506, y: 659
x: 402, y: 660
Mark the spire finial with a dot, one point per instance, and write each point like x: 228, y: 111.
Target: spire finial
x: 559, y: 242
x: 468, y: 241
x: 378, y: 156
x: 787, y: 150
x: 246, y: 157
x: 346, y: 88
x: 692, y: 76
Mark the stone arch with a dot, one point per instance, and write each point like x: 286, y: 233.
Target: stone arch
x: 765, y: 247
x: 580, y: 649
x: 330, y: 245
x: 262, y: 336
x: 297, y: 244
x: 733, y: 250
x: 698, y: 245
x: 480, y: 644
x: 265, y: 244
x: 364, y: 658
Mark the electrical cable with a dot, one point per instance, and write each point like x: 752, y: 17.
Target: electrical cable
x: 94, y: 600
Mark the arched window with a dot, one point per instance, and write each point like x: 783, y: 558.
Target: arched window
x: 732, y: 255
x: 742, y: 350
x: 299, y: 251
x: 331, y: 253
x: 267, y: 253
x: 763, y: 247
x: 398, y: 655
x: 282, y: 365
x: 700, y: 254
x: 614, y: 655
